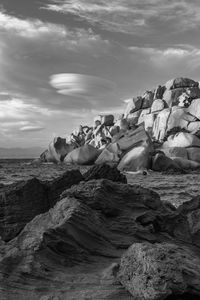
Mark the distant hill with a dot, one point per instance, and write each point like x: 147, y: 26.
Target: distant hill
x: 32, y: 152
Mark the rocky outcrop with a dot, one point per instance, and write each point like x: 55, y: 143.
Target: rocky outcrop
x: 21, y: 202
x: 72, y: 251
x: 104, y: 171
x: 156, y: 271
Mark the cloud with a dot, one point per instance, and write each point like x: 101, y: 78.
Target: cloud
x: 180, y: 55
x: 30, y: 128
x: 138, y: 16
x: 29, y: 28
x: 81, y: 85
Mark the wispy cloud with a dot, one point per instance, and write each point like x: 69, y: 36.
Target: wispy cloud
x: 132, y: 16
x: 30, y: 28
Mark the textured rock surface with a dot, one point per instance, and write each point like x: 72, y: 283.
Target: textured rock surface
x: 153, y: 272
x: 22, y: 201
x: 72, y: 250
x: 104, y: 171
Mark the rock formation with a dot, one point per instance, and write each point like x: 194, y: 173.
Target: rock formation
x: 73, y: 250
x: 168, y: 116
x: 22, y: 201
x: 156, y: 271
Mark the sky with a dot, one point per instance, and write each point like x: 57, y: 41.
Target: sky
x: 64, y: 61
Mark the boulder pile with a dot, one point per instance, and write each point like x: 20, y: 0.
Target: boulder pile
x: 165, y: 120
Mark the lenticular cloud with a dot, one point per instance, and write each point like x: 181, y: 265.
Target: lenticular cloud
x: 80, y: 85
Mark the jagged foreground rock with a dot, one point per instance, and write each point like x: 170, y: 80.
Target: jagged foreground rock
x: 72, y: 251
x: 104, y: 171
x: 21, y: 202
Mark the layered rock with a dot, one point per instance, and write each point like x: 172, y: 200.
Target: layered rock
x: 72, y: 251
x: 21, y: 202
x: 104, y: 171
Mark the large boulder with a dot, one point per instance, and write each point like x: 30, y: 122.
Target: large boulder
x: 46, y: 157
x: 175, y: 152
x: 160, y: 124
x: 182, y: 139
x: 186, y: 164
x: 85, y: 155
x: 179, y: 118
x: 133, y: 118
x: 133, y: 138
x: 194, y: 108
x: 136, y: 159
x: 193, y: 127
x: 149, y: 122
x: 153, y: 272
x: 107, y: 157
x: 133, y: 105
x: 143, y: 114
x: 107, y: 120
x: 194, y: 153
x: 180, y: 82
x: 161, y: 163
x: 58, y: 149
x: 158, y: 105
x: 172, y: 97
x: 191, y: 209
x: 147, y: 99
x: 159, y: 92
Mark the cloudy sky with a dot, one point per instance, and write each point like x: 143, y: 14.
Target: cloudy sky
x: 63, y: 61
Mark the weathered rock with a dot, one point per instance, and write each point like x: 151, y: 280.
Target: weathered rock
x: 136, y: 159
x: 133, y: 105
x: 194, y: 153
x: 171, y: 97
x: 179, y: 118
x: 107, y: 120
x: 117, y: 195
x: 147, y: 99
x: 133, y: 118
x: 63, y: 252
x: 186, y: 164
x: 191, y: 209
x: 67, y: 252
x: 182, y: 139
x: 107, y: 157
x: 180, y: 82
x: 158, y: 105
x: 193, y: 127
x: 58, y: 149
x: 175, y: 152
x: 21, y: 202
x: 160, y: 124
x: 153, y: 272
x: 143, y: 114
x: 104, y: 171
x: 160, y: 163
x: 133, y: 138
x: 194, y: 108
x: 85, y: 155
x: 159, y: 92
x: 46, y: 157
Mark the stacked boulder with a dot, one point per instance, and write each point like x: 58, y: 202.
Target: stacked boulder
x: 162, y: 122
